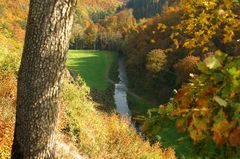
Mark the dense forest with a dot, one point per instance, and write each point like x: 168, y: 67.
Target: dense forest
x: 182, y: 61
x: 147, y: 8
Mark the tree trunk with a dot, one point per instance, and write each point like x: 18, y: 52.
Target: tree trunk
x: 40, y: 76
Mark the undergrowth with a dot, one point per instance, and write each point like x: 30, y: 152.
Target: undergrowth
x: 8, y: 88
x: 100, y: 135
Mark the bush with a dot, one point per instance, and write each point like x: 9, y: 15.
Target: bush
x: 186, y: 66
x: 156, y: 61
x: 9, y: 62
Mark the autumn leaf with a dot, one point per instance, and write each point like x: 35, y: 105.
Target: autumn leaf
x: 195, y: 133
x: 234, y: 138
x: 205, y: 49
x: 217, y: 138
x: 145, y: 126
x: 180, y: 125
x: 202, y: 102
x: 228, y: 35
x: 181, y: 93
x: 176, y: 43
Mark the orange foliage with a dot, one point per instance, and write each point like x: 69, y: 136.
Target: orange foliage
x: 234, y: 138
x: 7, y: 111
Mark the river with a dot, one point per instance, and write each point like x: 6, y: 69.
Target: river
x: 120, y: 93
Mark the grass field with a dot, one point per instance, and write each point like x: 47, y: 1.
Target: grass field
x: 93, y: 66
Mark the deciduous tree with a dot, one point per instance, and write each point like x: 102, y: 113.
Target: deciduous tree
x: 40, y: 76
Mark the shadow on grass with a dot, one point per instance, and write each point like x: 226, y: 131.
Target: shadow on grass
x: 91, y: 69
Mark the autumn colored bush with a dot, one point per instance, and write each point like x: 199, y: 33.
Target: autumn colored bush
x: 100, y: 135
x: 156, y: 61
x: 208, y: 108
x: 186, y: 66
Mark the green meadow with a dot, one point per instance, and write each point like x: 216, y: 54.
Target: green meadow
x: 93, y: 66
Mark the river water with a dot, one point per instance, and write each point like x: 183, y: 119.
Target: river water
x: 120, y: 93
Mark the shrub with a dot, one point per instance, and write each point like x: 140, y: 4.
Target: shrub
x: 9, y: 62
x: 186, y: 66
x: 156, y: 61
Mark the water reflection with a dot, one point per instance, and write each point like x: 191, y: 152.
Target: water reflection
x: 120, y: 94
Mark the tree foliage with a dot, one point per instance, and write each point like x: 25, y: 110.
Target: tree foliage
x: 208, y: 108
x: 184, y: 29
x: 188, y: 32
x: 208, y: 26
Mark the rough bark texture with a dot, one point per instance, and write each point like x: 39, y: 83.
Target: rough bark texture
x: 40, y: 76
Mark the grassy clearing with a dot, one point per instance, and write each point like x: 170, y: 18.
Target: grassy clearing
x: 93, y: 66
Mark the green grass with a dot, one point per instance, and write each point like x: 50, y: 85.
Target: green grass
x: 93, y: 66
x: 138, y: 106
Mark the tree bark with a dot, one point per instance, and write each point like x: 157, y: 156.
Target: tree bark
x: 40, y: 76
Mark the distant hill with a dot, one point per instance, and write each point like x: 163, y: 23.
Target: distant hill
x: 146, y: 8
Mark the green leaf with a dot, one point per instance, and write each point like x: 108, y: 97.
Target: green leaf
x: 220, y: 101
x: 212, y: 62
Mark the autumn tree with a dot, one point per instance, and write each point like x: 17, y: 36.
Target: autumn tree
x: 116, y: 28
x: 208, y: 26
x: 90, y: 36
x: 156, y: 61
x: 40, y: 76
